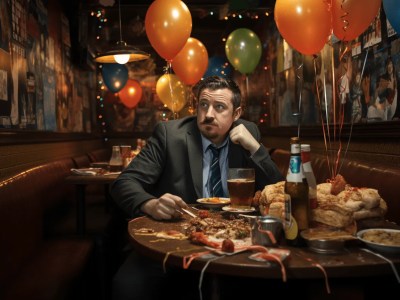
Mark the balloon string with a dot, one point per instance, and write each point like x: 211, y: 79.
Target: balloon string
x: 331, y: 142
x: 299, y: 113
x: 168, y: 69
x: 352, y: 119
x: 247, y: 92
x: 343, y: 99
x: 345, y: 21
x: 319, y: 103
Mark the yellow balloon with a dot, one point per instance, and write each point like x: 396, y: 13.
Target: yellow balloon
x: 172, y: 92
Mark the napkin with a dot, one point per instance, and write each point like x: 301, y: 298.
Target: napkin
x: 89, y: 171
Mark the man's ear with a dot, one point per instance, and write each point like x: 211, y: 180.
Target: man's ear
x: 237, y: 113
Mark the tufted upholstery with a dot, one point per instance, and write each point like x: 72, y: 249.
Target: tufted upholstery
x: 386, y: 179
x: 33, y: 265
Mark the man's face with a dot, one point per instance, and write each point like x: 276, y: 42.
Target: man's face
x: 215, y: 114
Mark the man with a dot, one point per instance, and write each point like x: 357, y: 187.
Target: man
x: 173, y: 169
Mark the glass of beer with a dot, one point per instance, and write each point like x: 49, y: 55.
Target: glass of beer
x: 241, y: 184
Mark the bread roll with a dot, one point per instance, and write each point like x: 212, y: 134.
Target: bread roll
x: 370, y: 197
x: 331, y: 217
x: 351, y: 199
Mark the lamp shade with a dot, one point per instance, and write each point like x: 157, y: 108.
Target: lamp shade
x: 132, y: 53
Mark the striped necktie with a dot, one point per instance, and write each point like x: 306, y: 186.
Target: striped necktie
x: 215, y: 185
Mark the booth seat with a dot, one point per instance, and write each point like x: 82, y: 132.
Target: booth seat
x: 384, y: 178
x: 37, y: 261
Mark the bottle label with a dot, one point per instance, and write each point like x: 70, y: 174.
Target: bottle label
x: 294, y: 173
x: 307, y: 167
x: 294, y: 164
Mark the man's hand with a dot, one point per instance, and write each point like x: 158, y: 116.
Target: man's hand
x: 164, y: 208
x: 240, y: 135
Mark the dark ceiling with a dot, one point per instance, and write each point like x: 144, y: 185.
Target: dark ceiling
x: 207, y: 28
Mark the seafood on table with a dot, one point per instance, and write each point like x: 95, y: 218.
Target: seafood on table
x: 338, y: 203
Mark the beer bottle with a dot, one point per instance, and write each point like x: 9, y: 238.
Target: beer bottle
x: 297, y: 188
x: 308, y: 172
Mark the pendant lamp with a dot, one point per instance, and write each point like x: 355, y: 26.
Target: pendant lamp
x: 122, y: 52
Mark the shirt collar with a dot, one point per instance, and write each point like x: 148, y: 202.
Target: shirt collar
x: 206, y: 143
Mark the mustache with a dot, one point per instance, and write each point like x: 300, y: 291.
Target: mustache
x: 207, y: 121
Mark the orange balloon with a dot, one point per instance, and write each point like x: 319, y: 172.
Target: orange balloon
x: 172, y: 92
x: 304, y: 24
x: 191, y: 62
x: 350, y: 18
x: 168, y: 25
x: 131, y: 94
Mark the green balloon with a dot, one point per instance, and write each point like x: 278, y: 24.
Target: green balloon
x: 243, y: 50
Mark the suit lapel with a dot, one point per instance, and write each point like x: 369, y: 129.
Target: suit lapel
x: 195, y: 159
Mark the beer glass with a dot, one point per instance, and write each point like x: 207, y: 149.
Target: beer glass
x: 241, y: 184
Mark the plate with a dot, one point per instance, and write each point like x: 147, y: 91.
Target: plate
x: 374, y: 238
x: 238, y: 210
x: 214, y: 202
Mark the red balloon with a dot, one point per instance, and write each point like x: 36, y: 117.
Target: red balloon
x: 191, y: 62
x: 131, y: 94
x: 350, y: 18
x: 168, y: 25
x: 304, y: 24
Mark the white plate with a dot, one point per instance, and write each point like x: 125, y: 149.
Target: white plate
x: 394, y: 249
x: 238, y: 210
x: 214, y: 202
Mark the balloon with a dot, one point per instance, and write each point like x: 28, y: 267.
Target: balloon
x: 131, y: 94
x: 114, y: 76
x: 218, y: 66
x: 243, y: 49
x: 168, y: 25
x: 304, y: 24
x: 350, y: 18
x: 392, y: 10
x: 172, y: 92
x: 191, y: 62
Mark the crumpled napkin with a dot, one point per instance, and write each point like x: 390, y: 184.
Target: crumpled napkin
x: 88, y: 171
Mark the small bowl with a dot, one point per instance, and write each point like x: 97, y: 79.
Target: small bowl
x: 266, y: 229
x: 326, y: 246
x: 326, y: 241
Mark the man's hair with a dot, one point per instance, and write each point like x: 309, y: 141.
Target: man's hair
x: 217, y: 83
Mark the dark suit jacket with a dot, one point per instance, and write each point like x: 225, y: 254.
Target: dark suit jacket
x: 172, y: 161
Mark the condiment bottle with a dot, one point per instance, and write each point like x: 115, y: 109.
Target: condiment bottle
x: 308, y: 172
x: 115, y: 160
x: 297, y: 188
